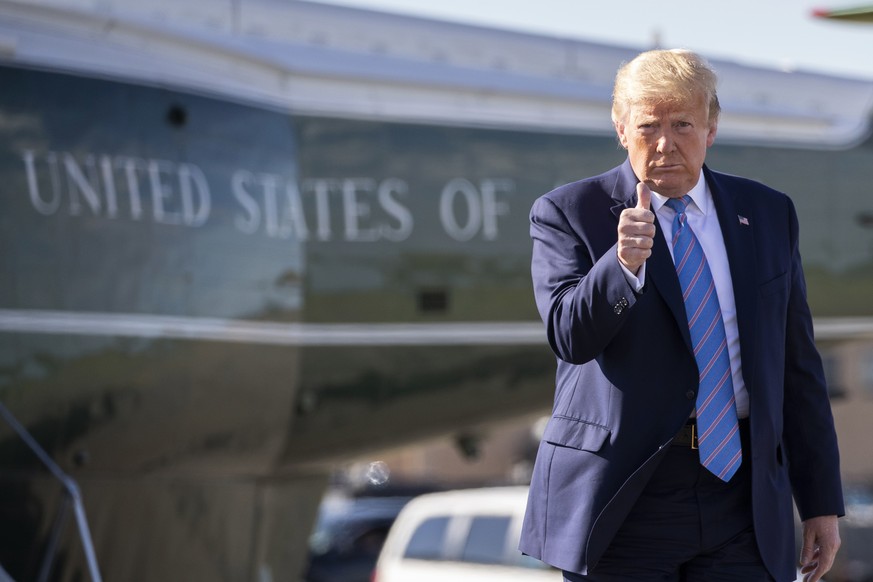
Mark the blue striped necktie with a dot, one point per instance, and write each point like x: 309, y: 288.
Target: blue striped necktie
x: 717, y: 426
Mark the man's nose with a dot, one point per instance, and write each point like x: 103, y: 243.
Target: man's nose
x: 665, y: 143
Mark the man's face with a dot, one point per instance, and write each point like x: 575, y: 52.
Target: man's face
x: 666, y: 144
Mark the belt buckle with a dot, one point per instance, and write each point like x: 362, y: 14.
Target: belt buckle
x: 694, y: 437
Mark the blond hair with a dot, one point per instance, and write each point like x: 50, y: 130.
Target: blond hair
x: 658, y: 76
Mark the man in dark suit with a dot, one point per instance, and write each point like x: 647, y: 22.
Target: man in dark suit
x: 690, y: 401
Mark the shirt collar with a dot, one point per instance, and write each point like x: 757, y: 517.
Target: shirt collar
x: 700, y: 195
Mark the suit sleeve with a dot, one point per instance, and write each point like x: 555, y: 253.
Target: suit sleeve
x: 583, y: 299
x: 809, y: 435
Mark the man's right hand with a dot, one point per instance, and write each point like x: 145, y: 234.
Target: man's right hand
x: 636, y: 231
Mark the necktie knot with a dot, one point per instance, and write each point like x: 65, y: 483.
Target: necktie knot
x: 678, y: 204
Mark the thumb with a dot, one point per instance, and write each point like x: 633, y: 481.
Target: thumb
x: 644, y: 196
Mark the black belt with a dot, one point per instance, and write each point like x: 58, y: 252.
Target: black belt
x: 687, y: 435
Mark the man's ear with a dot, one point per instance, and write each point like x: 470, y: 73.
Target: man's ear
x: 619, y: 131
x: 710, y: 137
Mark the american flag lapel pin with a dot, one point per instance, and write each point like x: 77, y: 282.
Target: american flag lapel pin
x: 743, y: 220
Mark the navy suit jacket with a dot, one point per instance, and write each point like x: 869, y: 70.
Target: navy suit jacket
x: 627, y: 379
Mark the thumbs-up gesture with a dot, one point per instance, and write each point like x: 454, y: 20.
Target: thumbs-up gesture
x: 636, y: 231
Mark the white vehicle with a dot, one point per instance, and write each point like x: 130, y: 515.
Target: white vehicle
x: 462, y: 536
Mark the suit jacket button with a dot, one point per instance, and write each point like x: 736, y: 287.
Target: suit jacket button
x: 618, y: 308
x: 690, y: 394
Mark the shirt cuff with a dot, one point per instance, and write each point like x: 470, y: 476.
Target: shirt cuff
x: 636, y: 281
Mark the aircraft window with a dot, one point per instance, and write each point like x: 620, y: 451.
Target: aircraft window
x: 486, y: 541
x: 428, y: 540
x: 433, y: 301
x: 177, y: 116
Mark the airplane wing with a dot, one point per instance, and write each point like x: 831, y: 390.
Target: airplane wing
x: 856, y: 14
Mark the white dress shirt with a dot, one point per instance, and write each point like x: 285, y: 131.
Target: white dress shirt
x: 702, y: 219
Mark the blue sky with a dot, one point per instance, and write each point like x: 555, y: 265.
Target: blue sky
x: 773, y: 33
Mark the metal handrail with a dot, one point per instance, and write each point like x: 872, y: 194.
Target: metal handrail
x: 68, y: 483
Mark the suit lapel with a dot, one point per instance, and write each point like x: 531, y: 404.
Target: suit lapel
x: 660, y: 271
x: 737, y: 228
